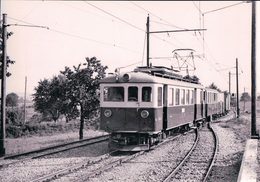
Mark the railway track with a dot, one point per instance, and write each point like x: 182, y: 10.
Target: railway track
x: 197, y: 164
x: 26, y: 156
x: 86, y: 170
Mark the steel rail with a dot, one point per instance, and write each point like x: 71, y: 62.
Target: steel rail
x: 102, y: 138
x: 98, y: 171
x: 214, y: 155
x: 62, y: 172
x: 53, y: 147
x: 168, y: 178
x: 70, y: 148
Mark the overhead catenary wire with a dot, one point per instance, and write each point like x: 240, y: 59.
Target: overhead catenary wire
x: 79, y: 37
x: 211, y: 11
x: 156, y: 15
x: 126, y: 22
x: 122, y: 20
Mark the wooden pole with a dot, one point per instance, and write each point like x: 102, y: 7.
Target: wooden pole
x: 148, y: 41
x: 3, y: 88
x: 253, y: 73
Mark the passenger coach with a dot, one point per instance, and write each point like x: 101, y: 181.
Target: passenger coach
x: 140, y: 107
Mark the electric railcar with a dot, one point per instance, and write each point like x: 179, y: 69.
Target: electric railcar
x: 139, y: 108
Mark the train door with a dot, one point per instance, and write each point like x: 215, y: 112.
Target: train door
x: 195, y: 104
x: 165, y: 103
x: 201, y: 103
x: 205, y: 98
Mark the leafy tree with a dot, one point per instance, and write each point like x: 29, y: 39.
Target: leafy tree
x: 213, y: 86
x: 82, y: 90
x: 193, y: 78
x: 12, y: 100
x: 245, y: 97
x: 49, y: 96
x: 8, y: 60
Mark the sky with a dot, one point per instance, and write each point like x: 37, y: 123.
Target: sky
x: 114, y: 32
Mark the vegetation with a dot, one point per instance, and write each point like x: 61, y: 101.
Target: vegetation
x: 8, y: 60
x: 245, y: 97
x: 49, y: 96
x: 213, y: 86
x: 12, y: 100
x: 74, y: 93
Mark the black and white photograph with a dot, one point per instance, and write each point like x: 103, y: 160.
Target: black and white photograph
x: 135, y: 91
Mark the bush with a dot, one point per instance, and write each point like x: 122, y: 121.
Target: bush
x: 28, y: 129
x: 14, y: 116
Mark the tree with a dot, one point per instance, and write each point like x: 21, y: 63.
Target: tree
x: 213, y: 86
x: 8, y: 60
x: 49, y: 96
x: 245, y: 97
x: 12, y: 100
x: 83, y: 88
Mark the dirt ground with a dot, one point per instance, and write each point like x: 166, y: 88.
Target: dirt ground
x: 23, y: 144
x: 232, y: 136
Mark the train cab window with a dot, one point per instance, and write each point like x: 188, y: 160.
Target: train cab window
x: 182, y: 97
x: 159, y: 96
x: 177, y: 97
x: 114, y: 94
x: 187, y: 97
x: 146, y: 94
x: 132, y: 94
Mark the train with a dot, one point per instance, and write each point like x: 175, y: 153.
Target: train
x: 141, y: 107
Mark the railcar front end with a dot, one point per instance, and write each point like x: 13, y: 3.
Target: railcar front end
x: 130, y: 112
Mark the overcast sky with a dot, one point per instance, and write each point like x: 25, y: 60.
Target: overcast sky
x: 114, y: 32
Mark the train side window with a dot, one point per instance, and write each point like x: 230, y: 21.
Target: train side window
x: 171, y: 96
x: 132, y: 94
x: 159, y: 96
x: 188, y: 97
x: 114, y: 94
x: 182, y: 97
x: 177, y: 97
x: 192, y: 97
x: 201, y: 96
x: 146, y: 94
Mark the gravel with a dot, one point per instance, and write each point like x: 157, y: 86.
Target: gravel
x: 33, y: 169
x: 232, y: 136
x: 152, y: 166
x: 195, y: 168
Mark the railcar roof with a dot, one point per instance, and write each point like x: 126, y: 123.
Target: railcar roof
x: 140, y: 77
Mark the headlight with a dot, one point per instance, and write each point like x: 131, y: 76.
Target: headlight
x: 107, y: 113
x: 144, y: 114
x: 126, y: 77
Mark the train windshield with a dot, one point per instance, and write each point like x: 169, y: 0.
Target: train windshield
x: 114, y: 94
x: 132, y: 94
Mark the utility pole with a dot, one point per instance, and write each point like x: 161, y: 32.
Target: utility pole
x: 244, y: 100
x: 148, y: 32
x: 229, y: 82
x: 148, y: 39
x: 253, y: 73
x: 3, y: 88
x: 237, y: 88
x: 25, y: 99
